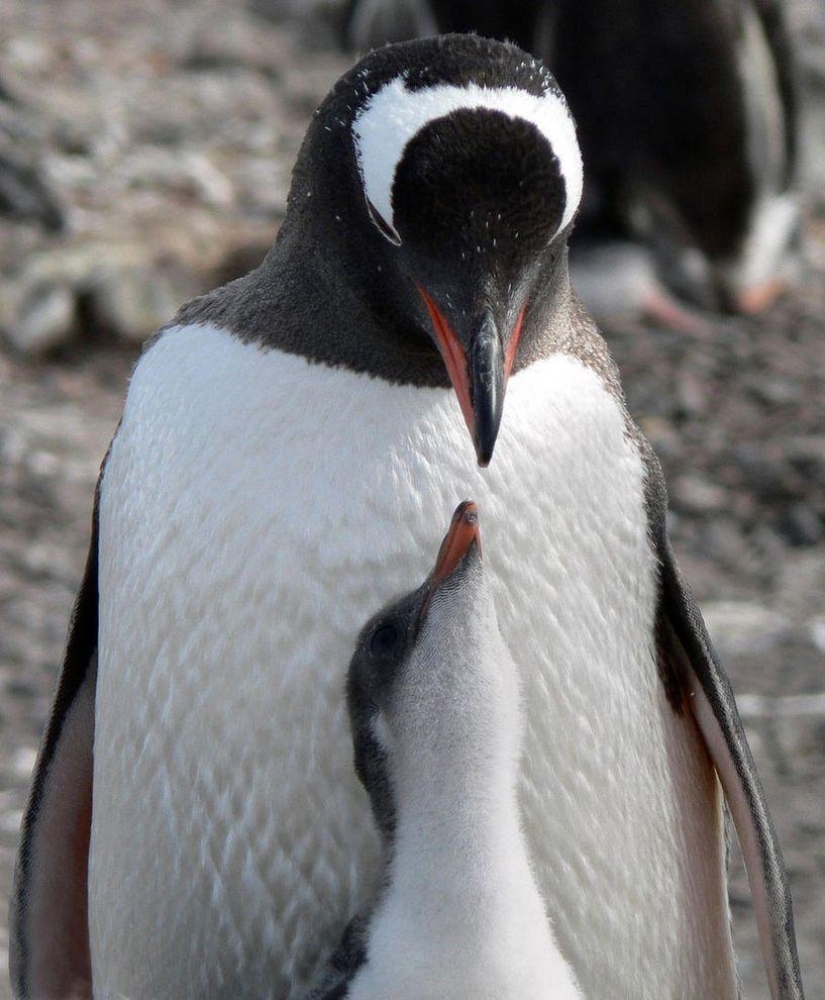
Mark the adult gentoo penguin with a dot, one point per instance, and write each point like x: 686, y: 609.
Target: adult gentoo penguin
x: 434, y: 706
x: 287, y: 449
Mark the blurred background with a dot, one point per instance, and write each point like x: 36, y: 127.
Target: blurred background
x: 145, y: 155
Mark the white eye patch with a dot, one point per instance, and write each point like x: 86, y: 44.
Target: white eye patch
x: 394, y: 115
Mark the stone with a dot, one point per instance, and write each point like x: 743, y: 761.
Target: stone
x: 44, y: 318
x: 816, y: 631
x: 720, y: 538
x: 776, y: 390
x: 661, y: 434
x: 744, y: 628
x: 800, y: 590
x: 801, y: 525
x: 25, y: 193
x: 761, y: 470
x: 128, y: 290
x: 22, y: 761
x: 807, y: 455
x: 691, y: 394
x: 133, y: 302
x: 187, y: 174
x: 698, y: 495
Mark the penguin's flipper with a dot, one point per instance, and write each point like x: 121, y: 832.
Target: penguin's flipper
x: 49, y: 952
x: 692, y: 664
x: 344, y: 963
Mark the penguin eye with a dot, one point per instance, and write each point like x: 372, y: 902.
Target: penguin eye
x: 386, y: 640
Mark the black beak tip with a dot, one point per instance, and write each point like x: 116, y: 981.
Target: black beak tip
x: 484, y: 452
x: 487, y: 423
x: 487, y: 381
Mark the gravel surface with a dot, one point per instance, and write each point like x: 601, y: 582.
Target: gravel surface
x: 735, y: 412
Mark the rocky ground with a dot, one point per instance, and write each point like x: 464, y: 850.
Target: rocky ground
x: 163, y: 134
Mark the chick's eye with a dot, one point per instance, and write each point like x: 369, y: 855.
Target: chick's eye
x: 386, y: 640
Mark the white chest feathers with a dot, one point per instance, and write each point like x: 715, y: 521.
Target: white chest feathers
x: 255, y: 511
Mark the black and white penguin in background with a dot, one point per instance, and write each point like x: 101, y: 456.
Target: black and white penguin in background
x: 437, y: 727
x: 287, y: 450
x: 687, y: 117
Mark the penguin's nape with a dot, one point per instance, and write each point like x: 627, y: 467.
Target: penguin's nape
x: 443, y: 175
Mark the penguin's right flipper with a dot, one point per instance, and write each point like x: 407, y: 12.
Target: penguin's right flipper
x: 49, y: 954
x: 695, y: 674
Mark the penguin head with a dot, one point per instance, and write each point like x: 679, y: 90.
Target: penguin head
x: 431, y: 685
x: 443, y: 175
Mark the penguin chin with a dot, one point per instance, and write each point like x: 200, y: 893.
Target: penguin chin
x: 457, y: 614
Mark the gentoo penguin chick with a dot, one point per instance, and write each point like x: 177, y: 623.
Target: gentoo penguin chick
x: 435, y: 711
x: 688, y: 121
x: 195, y: 826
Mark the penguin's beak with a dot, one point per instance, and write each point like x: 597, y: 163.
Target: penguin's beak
x: 479, y: 375
x: 462, y: 535
x: 462, y: 540
x: 487, y: 377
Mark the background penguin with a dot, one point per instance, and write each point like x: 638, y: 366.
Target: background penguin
x: 274, y: 438
x: 687, y: 117
x: 435, y: 712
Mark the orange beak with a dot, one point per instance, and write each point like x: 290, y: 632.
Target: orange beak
x: 463, y: 532
x: 460, y: 538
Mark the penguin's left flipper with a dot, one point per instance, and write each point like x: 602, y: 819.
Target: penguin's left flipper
x: 49, y: 953
x: 691, y: 662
